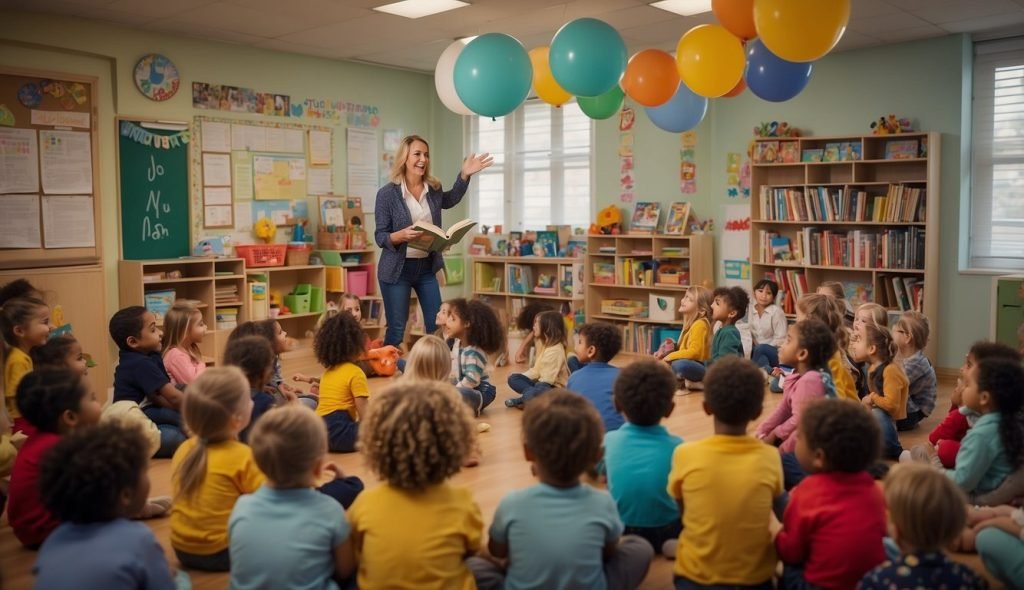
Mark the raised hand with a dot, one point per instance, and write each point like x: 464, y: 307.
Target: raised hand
x: 475, y: 163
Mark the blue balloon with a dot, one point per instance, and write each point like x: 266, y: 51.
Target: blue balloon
x: 684, y: 111
x: 772, y: 78
x: 587, y: 57
x: 493, y: 75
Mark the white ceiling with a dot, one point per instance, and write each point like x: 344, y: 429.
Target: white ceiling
x: 350, y: 30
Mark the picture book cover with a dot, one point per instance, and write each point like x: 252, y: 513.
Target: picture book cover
x: 766, y: 152
x: 678, y: 214
x: 831, y: 152
x: 780, y: 250
x: 789, y: 152
x: 904, y: 149
x: 645, y: 218
x: 858, y: 293
x: 454, y: 270
x: 159, y: 303
x: 520, y: 279
x: 577, y: 248
x: 813, y: 155
x: 849, y: 151
x: 546, y: 244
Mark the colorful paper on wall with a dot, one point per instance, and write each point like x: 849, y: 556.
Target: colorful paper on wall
x: 735, y: 245
x: 627, y: 119
x: 19, y: 157
x: 687, y: 163
x: 732, y: 175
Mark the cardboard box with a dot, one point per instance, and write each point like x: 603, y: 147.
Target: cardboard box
x: 663, y: 307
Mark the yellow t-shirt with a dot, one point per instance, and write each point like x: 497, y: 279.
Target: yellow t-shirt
x: 727, y: 484
x: 415, y: 540
x: 17, y: 366
x: 694, y: 343
x: 199, y: 524
x: 841, y: 376
x: 339, y: 388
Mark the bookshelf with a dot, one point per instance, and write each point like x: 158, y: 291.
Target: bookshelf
x: 355, y: 271
x: 280, y: 281
x: 639, y: 270
x: 217, y: 285
x: 870, y: 223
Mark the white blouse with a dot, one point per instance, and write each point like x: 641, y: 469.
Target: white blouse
x: 768, y: 327
x: 419, y: 210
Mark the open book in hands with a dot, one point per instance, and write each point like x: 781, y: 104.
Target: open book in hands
x: 435, y: 239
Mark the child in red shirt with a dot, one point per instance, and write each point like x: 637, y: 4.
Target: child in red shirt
x: 835, y: 520
x: 55, y: 402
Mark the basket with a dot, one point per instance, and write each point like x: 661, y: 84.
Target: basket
x: 298, y: 254
x: 256, y: 255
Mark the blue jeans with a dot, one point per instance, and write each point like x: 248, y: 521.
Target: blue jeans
x: 911, y: 421
x: 479, y: 398
x: 527, y: 387
x: 689, y: 370
x: 574, y: 363
x: 343, y: 489
x: 686, y: 584
x: 342, y: 432
x: 215, y: 562
x: 891, y: 447
x: 168, y: 422
x: 793, y: 578
x: 416, y: 276
x: 657, y: 535
x: 765, y: 356
x: 792, y: 472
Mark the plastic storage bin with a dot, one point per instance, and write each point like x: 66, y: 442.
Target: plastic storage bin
x: 357, y: 282
x: 256, y: 255
x: 298, y: 301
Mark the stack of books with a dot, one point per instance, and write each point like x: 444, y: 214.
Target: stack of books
x: 227, y: 318
x: 226, y: 294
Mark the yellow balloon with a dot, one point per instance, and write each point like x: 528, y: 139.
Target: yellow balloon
x: 710, y: 60
x: 801, y: 30
x: 544, y: 83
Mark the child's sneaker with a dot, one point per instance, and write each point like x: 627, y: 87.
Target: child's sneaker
x: 668, y: 548
x: 694, y: 385
x: 514, y: 402
x: 774, y: 386
x: 155, y: 507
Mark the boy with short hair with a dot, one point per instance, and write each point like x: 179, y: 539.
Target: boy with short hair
x: 729, y: 306
x: 140, y: 375
x: 638, y: 456
x: 835, y: 520
x: 596, y: 345
x: 725, y: 485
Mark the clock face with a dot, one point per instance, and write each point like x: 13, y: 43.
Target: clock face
x: 156, y: 77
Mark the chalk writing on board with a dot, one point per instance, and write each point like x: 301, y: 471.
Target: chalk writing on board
x: 152, y: 229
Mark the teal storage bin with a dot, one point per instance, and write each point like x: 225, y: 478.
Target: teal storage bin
x: 298, y: 301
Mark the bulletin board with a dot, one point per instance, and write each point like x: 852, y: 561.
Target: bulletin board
x: 241, y: 169
x: 49, y: 169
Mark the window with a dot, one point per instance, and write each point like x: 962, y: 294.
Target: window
x: 541, y: 172
x: 997, y: 186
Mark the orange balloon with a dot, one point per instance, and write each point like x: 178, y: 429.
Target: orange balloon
x: 544, y: 83
x: 737, y: 16
x: 651, y: 77
x: 737, y: 90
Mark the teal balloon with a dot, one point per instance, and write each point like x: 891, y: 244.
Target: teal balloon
x: 587, y: 57
x: 604, y: 106
x: 684, y: 111
x: 493, y: 75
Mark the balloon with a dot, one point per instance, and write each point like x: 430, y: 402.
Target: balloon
x: 710, y: 60
x: 773, y: 78
x: 444, y: 79
x: 801, y: 30
x: 684, y: 111
x: 493, y: 74
x: 604, y: 106
x: 587, y: 57
x: 544, y: 83
x: 737, y: 16
x: 737, y: 90
x: 651, y: 77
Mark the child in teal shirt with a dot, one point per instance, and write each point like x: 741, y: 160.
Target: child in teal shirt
x: 729, y: 306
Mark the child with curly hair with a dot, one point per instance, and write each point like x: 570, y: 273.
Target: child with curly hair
x: 480, y: 334
x: 343, y: 387
x: 93, y: 481
x: 597, y: 343
x: 415, y: 530
x: 61, y: 352
x: 549, y: 368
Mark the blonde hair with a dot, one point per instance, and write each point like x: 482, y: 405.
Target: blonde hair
x: 430, y: 359
x: 703, y: 297
x: 177, y: 325
x: 287, y: 443
x: 210, y: 402
x: 915, y: 324
x: 927, y: 509
x: 878, y: 314
x: 416, y: 434
x: 834, y: 288
x: 397, y: 175
x: 828, y: 309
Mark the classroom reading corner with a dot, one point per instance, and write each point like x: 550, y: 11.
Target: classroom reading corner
x: 626, y: 294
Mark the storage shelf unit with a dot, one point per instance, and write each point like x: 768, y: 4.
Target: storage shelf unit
x: 798, y: 186
x: 339, y: 267
x: 281, y: 280
x: 610, y: 273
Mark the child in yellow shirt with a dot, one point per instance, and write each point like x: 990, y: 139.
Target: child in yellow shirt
x: 827, y: 309
x: 695, y: 338
x: 343, y: 387
x: 549, y: 369
x: 25, y: 324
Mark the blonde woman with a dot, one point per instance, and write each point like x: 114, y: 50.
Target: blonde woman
x: 411, y: 196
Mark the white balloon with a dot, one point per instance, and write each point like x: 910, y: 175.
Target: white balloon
x: 444, y: 79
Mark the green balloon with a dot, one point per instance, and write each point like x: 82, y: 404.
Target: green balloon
x: 603, y: 106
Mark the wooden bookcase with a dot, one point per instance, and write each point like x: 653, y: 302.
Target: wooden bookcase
x: 783, y: 200
x: 691, y: 255
x: 282, y: 280
x: 195, y: 279
x: 491, y: 282
x: 339, y: 266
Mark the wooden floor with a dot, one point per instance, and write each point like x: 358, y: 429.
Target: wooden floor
x: 502, y: 469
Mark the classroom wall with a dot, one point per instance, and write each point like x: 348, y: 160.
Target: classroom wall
x: 406, y: 99
x: 921, y: 80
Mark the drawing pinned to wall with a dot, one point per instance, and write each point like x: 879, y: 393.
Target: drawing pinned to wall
x: 279, y: 177
x: 392, y: 138
x: 282, y: 213
x: 627, y: 120
x: 735, y: 245
x: 732, y: 175
x: 687, y: 163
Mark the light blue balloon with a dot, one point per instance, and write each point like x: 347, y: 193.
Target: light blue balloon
x: 684, y: 111
x: 772, y: 78
x: 493, y: 75
x: 587, y: 57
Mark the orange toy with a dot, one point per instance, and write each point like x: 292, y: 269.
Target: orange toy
x: 384, y: 360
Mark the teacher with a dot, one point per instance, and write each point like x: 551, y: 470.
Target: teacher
x: 413, y: 195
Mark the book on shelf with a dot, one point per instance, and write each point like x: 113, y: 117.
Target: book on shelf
x: 159, y: 303
x: 766, y: 152
x: 547, y: 244
x: 604, y: 273
x: 624, y: 307
x: 606, y: 249
x: 434, y: 239
x: 576, y: 248
x: 789, y: 152
x: 485, y: 279
x: 481, y: 246
x: 563, y: 233
x: 636, y: 272
x: 645, y: 218
x: 831, y: 152
x: 546, y: 284
x: 520, y: 279
x: 812, y: 155
x: 780, y: 249
x: 857, y: 292
x: 792, y: 285
x: 900, y: 204
x: 571, y: 280
x: 678, y: 216
x: 849, y: 151
x: 887, y: 248
x: 675, y: 251
x: 903, y: 149
x: 227, y: 318
x: 901, y: 293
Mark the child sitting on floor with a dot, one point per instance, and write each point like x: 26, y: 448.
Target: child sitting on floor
x: 694, y: 339
x: 728, y: 307
x: 549, y: 368
x: 184, y: 332
x: 24, y: 324
x: 887, y: 383
x: 597, y: 343
x: 343, y: 387
x: 253, y: 355
x: 910, y: 334
x: 480, y: 334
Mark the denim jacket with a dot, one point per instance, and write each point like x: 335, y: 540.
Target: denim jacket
x: 392, y: 214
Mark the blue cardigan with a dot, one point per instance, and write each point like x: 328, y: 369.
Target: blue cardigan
x: 391, y: 214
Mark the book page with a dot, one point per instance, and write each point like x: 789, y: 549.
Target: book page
x: 19, y: 161
x: 68, y: 222
x: 19, y: 225
x: 66, y: 162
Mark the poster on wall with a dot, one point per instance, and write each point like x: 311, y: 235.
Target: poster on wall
x: 361, y: 155
x: 735, y: 245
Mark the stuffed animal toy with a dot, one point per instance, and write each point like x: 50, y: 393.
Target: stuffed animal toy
x: 383, y: 360
x: 609, y: 221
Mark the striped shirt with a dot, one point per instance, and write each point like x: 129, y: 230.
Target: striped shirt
x: 923, y: 387
x: 472, y: 367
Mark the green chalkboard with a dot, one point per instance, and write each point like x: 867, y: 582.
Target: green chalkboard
x: 154, y: 192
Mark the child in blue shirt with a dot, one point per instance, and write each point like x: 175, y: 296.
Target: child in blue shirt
x: 286, y: 534
x: 94, y: 480
x: 255, y: 357
x: 561, y: 533
x: 638, y: 456
x: 596, y: 345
